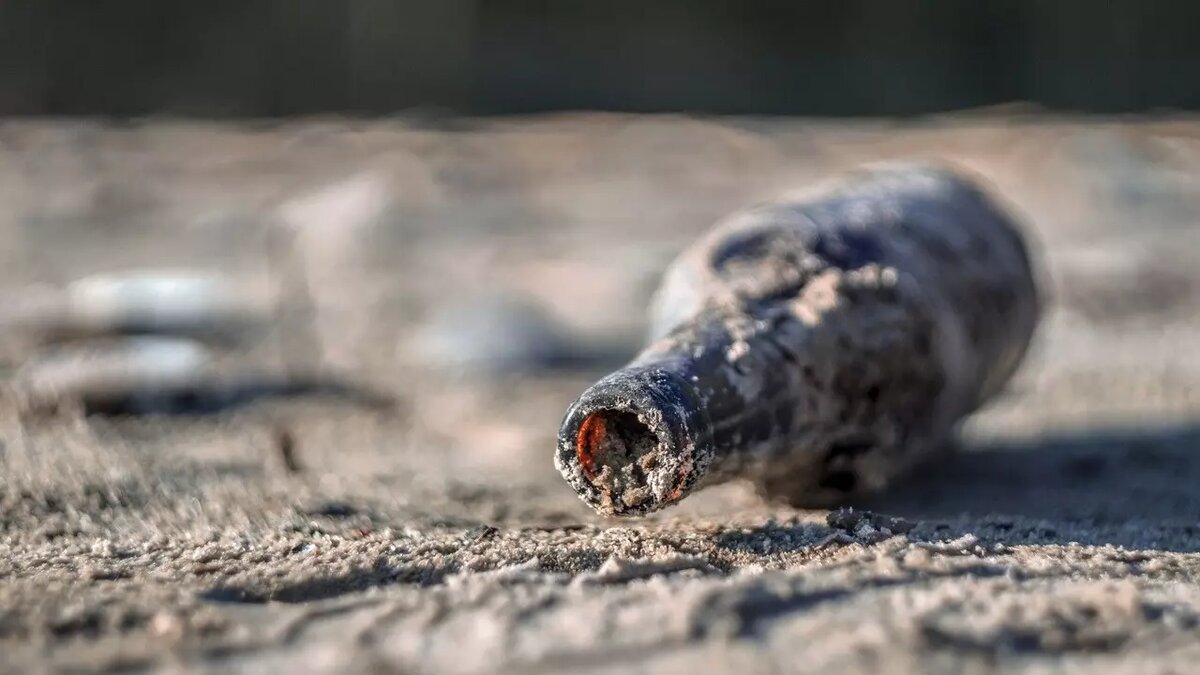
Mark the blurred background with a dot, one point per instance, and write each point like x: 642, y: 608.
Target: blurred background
x: 858, y: 57
x: 491, y: 189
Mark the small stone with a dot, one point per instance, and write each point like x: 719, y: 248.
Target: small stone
x: 867, y: 524
x: 167, y: 625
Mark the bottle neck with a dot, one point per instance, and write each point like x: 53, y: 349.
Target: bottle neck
x: 637, y: 440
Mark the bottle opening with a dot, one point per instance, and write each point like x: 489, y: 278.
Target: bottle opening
x: 619, y: 454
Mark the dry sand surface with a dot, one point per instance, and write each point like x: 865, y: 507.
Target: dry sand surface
x: 485, y: 273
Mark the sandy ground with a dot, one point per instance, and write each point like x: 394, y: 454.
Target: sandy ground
x: 485, y: 273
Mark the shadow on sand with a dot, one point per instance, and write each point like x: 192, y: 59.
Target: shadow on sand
x: 1138, y: 488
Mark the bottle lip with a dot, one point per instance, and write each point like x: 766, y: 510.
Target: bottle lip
x: 667, y: 410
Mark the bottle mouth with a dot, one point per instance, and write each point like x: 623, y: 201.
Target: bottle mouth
x: 634, y: 442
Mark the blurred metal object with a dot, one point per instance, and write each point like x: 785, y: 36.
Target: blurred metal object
x: 200, y: 304
x: 150, y: 341
x: 500, y: 333
x: 98, y: 372
x: 817, y: 346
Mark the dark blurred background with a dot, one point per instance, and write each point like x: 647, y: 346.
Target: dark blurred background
x: 853, y: 57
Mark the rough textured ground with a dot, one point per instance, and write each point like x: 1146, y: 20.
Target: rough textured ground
x: 485, y: 273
